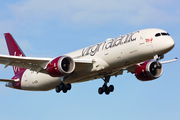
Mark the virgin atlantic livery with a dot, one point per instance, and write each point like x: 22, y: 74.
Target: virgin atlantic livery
x: 138, y: 53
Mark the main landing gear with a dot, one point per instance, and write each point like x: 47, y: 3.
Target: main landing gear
x: 63, y: 87
x: 105, y: 88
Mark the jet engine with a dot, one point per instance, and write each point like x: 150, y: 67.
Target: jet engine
x: 149, y: 70
x: 61, y: 66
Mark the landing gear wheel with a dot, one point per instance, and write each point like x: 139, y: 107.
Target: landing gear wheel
x: 104, y: 87
x: 100, y: 90
x: 111, y: 88
x: 57, y: 89
x: 62, y: 86
x: 68, y: 86
x: 107, y: 91
x: 64, y: 90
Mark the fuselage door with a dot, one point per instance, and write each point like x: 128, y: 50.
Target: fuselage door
x: 146, y: 45
x: 142, y: 39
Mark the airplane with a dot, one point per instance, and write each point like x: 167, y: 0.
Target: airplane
x: 138, y: 52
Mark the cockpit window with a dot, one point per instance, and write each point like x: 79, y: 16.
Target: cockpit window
x: 163, y: 34
x: 158, y: 34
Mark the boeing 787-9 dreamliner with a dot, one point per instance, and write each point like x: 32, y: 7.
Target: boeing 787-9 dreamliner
x: 137, y: 52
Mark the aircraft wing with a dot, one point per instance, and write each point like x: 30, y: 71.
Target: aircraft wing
x: 35, y: 64
x: 132, y: 68
x: 38, y: 64
x: 82, y: 64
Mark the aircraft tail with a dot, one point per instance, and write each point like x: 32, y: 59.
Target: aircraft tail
x: 14, y: 50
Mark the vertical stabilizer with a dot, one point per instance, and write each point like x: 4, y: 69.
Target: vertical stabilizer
x: 14, y: 50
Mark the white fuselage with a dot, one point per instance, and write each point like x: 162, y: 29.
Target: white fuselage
x: 108, y: 57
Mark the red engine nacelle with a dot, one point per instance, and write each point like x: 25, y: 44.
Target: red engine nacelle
x: 60, y: 66
x: 149, y: 70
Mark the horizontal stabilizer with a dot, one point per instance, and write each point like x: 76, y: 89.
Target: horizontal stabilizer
x: 9, y: 80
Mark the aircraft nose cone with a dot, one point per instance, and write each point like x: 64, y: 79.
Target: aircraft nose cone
x: 170, y: 44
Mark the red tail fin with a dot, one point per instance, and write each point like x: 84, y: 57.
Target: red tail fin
x: 14, y: 50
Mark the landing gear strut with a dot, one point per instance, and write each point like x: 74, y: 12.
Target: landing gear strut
x: 158, y: 57
x: 105, y: 88
x: 63, y: 87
